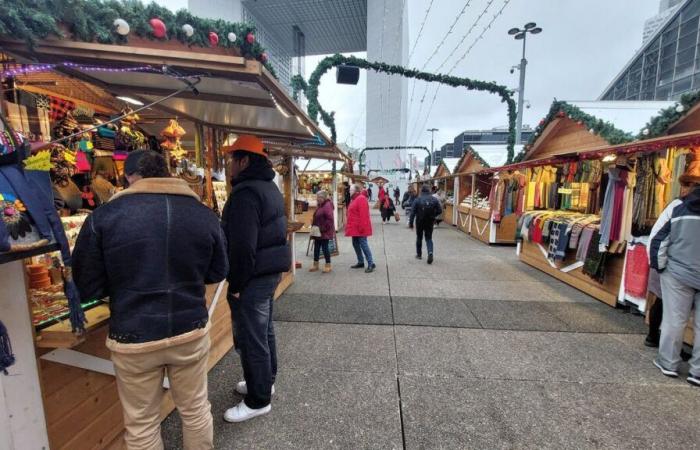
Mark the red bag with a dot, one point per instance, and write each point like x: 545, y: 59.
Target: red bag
x: 637, y: 271
x: 82, y: 164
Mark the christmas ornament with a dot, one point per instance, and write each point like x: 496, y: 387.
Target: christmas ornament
x: 213, y: 39
x: 263, y: 57
x: 232, y: 36
x: 541, y: 122
x: 250, y: 38
x: 645, y: 132
x: 157, y: 28
x: 580, y: 122
x: 680, y: 108
x: 591, y: 131
x: 561, y: 114
x: 188, y: 30
x: 121, y: 26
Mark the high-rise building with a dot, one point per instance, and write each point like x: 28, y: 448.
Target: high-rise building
x: 668, y: 64
x: 651, y: 26
x: 293, y: 29
x: 495, y: 136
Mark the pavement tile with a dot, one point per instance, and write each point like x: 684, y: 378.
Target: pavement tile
x: 515, y: 315
x: 311, y: 410
x: 519, y: 355
x: 339, y: 347
x: 596, y: 318
x: 451, y: 413
x: 358, y: 309
x: 432, y: 312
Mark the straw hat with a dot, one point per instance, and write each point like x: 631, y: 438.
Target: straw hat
x: 692, y: 175
x: 246, y: 143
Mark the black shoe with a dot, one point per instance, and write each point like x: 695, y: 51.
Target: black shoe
x: 370, y: 268
x: 419, y: 257
x: 651, y: 341
x: 430, y: 258
x: 358, y: 266
x: 693, y: 379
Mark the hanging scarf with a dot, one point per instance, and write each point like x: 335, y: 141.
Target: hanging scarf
x: 7, y: 358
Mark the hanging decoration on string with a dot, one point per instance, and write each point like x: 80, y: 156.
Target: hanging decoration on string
x: 188, y: 30
x: 121, y: 26
x: 213, y: 39
x: 158, y: 28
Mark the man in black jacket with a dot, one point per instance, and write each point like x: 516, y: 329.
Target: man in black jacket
x: 424, y: 211
x: 151, y: 250
x: 255, y: 225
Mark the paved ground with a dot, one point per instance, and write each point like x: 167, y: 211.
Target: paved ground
x: 476, y: 351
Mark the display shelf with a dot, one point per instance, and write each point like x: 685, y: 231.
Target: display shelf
x: 60, y: 335
x: 16, y: 256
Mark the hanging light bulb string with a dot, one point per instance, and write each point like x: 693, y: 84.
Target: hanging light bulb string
x: 27, y: 69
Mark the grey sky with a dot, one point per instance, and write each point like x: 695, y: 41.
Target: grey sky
x: 583, y: 46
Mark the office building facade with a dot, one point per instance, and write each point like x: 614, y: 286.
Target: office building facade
x: 668, y: 64
x: 496, y: 136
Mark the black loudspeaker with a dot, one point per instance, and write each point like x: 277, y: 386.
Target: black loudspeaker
x: 347, y: 74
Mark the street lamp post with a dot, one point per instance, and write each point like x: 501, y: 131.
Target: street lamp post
x: 521, y: 34
x: 432, y: 143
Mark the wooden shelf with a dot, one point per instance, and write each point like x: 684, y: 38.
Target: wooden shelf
x: 15, y: 256
x: 61, y: 336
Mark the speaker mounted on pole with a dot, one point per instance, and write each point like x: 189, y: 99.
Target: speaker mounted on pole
x: 346, y: 74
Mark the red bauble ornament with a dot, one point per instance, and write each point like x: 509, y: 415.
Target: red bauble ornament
x: 561, y: 114
x: 213, y: 39
x: 541, y: 122
x: 250, y: 38
x: 158, y: 28
x: 580, y: 122
x: 263, y: 57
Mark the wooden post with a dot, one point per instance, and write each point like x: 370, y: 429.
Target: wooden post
x: 473, y: 201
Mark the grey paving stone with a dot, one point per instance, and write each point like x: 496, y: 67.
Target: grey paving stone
x: 311, y: 410
x: 338, y: 347
x: 358, y: 309
x: 519, y: 355
x: 451, y: 413
x: 433, y: 312
x: 596, y: 318
x: 515, y: 315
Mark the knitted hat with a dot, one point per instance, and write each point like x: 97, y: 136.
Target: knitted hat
x: 692, y: 175
x: 247, y: 143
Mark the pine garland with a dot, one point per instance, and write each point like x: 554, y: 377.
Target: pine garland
x: 93, y: 21
x: 561, y: 109
x: 299, y: 84
x: 659, y: 125
x: 314, y: 108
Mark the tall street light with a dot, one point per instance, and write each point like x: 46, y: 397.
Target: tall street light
x: 432, y: 143
x: 521, y: 35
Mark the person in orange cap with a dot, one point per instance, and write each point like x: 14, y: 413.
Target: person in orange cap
x: 255, y: 225
x: 674, y: 251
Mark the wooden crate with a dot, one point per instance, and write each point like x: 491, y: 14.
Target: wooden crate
x: 606, y: 292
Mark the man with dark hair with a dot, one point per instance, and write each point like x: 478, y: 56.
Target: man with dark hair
x: 424, y: 211
x: 255, y: 224
x: 152, y: 249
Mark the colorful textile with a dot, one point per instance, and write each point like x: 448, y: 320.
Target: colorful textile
x: 59, y: 108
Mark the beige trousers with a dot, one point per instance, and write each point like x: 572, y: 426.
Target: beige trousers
x: 140, y: 380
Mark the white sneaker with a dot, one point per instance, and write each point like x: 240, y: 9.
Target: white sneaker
x: 242, y: 388
x: 241, y: 413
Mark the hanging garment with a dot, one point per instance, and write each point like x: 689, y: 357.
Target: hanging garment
x: 663, y: 178
x: 607, y: 214
x: 584, y: 243
x: 619, y: 186
x: 637, y: 271
x: 594, y: 265
x: 679, y: 164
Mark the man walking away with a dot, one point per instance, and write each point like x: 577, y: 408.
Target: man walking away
x: 425, y: 209
x: 397, y: 195
x: 151, y: 250
x: 255, y: 225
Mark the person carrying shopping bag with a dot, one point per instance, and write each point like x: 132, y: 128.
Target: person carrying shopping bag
x: 322, y: 230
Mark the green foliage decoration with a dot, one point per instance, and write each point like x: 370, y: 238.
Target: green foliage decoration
x: 314, y: 108
x: 93, y: 21
x: 298, y: 84
x: 562, y: 109
x: 659, y: 125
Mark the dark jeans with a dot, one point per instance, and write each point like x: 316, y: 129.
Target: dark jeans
x: 322, y: 244
x: 255, y: 338
x: 424, y: 229
x: 656, y: 314
x: 361, y: 246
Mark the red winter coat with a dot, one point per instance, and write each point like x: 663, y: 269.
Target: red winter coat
x: 359, y: 223
x: 323, y: 218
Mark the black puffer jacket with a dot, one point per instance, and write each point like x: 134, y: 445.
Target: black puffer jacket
x: 151, y: 249
x: 425, y: 208
x: 255, y: 225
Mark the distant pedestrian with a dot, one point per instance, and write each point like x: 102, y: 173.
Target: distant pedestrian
x: 324, y: 220
x: 440, y: 197
x: 397, y: 195
x: 425, y: 209
x: 359, y: 228
x: 407, y: 203
x: 346, y: 194
x: 674, y: 251
x: 381, y: 194
x: 369, y: 192
x: 388, y: 209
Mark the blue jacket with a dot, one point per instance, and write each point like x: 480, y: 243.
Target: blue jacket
x: 674, y: 245
x: 425, y: 208
x: 255, y: 225
x: 151, y: 250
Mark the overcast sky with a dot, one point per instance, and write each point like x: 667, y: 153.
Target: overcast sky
x: 583, y: 46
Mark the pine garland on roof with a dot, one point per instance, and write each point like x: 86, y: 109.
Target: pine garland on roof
x: 561, y: 109
x: 659, y: 125
x: 93, y: 21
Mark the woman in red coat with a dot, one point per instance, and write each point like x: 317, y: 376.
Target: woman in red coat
x: 359, y: 227
x: 323, y: 219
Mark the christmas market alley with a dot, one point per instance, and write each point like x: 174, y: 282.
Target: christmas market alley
x: 477, y: 350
